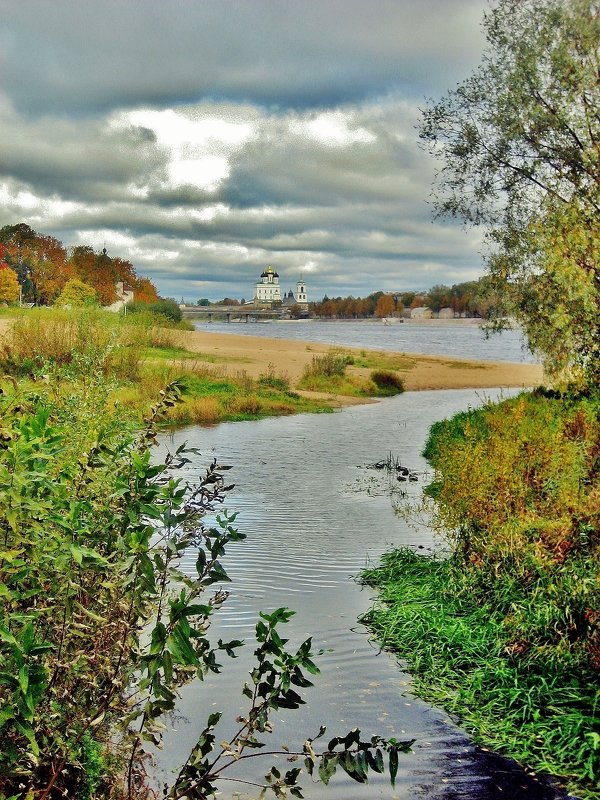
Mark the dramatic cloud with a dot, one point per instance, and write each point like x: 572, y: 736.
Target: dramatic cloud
x: 203, y: 141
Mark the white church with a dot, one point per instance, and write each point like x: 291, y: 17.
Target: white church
x: 268, y: 290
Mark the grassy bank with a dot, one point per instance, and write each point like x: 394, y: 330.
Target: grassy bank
x: 139, y: 354
x: 505, y: 632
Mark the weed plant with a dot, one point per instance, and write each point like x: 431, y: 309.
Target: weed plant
x: 329, y: 365
x: 138, y: 357
x: 506, y: 632
x: 99, y: 625
x: 328, y: 373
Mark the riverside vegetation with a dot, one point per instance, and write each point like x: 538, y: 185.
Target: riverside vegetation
x: 99, y: 626
x: 142, y: 351
x: 328, y: 373
x: 505, y: 633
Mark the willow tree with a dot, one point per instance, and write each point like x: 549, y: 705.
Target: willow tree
x: 520, y: 147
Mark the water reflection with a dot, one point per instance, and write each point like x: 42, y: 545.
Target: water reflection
x: 309, y: 533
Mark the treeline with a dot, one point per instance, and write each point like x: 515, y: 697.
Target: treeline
x: 472, y: 298
x: 42, y: 266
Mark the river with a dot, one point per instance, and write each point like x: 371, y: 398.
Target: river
x: 458, y: 338
x: 314, y: 516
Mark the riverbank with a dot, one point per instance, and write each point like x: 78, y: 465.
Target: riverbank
x: 229, y: 377
x: 505, y: 632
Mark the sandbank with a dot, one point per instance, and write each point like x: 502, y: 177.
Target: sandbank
x: 255, y: 355
x: 288, y: 357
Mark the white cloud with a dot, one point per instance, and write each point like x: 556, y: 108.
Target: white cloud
x: 333, y: 128
x: 198, y: 144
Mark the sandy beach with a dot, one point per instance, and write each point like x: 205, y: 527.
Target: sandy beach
x: 290, y: 357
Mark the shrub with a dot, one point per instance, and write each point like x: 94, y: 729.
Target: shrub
x: 387, y: 382
x: 159, y: 308
x: 272, y: 380
x: 77, y: 293
x: 330, y: 365
x: 198, y: 410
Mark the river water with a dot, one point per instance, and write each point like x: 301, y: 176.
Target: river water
x: 458, y: 338
x: 315, y: 516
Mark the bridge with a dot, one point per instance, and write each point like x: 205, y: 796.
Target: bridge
x: 232, y: 313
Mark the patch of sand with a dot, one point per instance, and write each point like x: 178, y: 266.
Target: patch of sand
x: 256, y: 355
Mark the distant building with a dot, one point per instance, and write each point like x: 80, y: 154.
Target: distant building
x: 300, y: 298
x: 124, y: 296
x: 446, y: 313
x: 422, y: 312
x: 301, y: 294
x: 267, y: 290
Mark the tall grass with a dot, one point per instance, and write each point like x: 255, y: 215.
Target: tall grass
x: 140, y: 357
x: 461, y: 657
x: 506, y: 632
x: 328, y: 373
x: 45, y: 336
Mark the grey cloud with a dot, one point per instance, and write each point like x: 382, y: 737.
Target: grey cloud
x: 82, y: 56
x: 352, y: 208
x: 81, y: 160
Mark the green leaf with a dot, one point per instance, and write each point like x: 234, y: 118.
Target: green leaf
x: 24, y: 678
x: 327, y: 768
x: 181, y: 648
x: 393, y: 765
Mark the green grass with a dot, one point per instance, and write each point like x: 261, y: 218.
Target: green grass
x: 175, y: 353
x: 137, y: 360
x: 385, y: 361
x: 462, y: 657
x: 328, y: 373
x: 506, y: 633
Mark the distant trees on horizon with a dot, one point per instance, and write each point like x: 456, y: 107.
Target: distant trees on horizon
x: 471, y: 298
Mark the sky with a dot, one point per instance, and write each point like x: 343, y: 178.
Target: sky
x: 206, y: 139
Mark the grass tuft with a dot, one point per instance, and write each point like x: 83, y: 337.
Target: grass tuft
x: 388, y: 383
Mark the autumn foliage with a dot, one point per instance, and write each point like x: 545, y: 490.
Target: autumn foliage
x: 9, y: 285
x: 43, y: 266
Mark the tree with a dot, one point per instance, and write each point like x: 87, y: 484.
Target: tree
x: 9, y: 285
x: 520, y: 145
x: 439, y: 296
x: 144, y: 291
x: 39, y: 261
x: 77, y: 293
x: 385, y: 306
x: 418, y: 301
x: 97, y: 270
